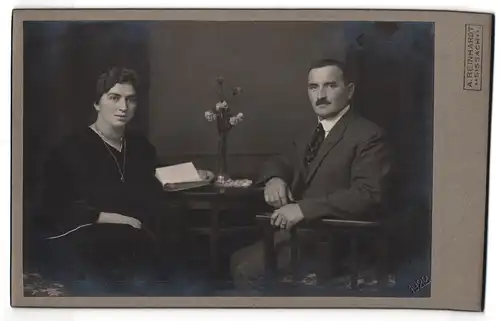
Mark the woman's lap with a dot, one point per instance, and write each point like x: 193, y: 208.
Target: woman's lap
x: 93, y: 256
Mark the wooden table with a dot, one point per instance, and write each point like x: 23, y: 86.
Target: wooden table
x: 215, y: 200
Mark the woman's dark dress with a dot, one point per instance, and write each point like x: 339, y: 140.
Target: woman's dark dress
x: 81, y: 180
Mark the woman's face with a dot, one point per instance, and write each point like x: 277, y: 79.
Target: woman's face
x: 117, y: 106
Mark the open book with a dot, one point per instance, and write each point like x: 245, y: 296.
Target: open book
x: 182, y: 176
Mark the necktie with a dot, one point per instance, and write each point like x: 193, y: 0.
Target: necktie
x: 314, y: 145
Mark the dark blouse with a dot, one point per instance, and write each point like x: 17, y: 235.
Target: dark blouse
x: 81, y: 179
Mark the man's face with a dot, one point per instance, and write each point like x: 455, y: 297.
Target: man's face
x: 327, y: 91
x: 117, y: 106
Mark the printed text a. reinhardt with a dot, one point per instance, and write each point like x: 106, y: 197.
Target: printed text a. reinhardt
x: 473, y: 57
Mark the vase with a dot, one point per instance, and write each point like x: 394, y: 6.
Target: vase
x: 222, y: 158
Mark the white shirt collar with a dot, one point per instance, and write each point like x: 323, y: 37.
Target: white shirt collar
x: 329, y: 123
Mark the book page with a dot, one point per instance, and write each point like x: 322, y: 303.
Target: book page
x: 180, y: 173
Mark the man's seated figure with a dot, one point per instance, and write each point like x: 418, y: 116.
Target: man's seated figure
x: 337, y: 170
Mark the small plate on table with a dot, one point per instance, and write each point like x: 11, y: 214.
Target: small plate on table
x: 234, y: 183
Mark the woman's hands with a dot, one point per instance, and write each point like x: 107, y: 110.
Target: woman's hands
x: 115, y: 218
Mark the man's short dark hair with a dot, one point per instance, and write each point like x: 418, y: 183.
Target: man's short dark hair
x: 115, y: 75
x: 333, y: 62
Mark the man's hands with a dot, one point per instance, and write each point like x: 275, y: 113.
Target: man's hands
x: 277, y: 193
x: 287, y: 216
x: 115, y: 218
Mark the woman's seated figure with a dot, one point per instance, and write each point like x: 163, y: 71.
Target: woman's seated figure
x: 100, y: 194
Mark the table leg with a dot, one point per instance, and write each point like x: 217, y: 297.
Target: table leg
x: 214, y: 241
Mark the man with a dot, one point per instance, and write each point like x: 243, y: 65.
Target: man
x: 338, y: 170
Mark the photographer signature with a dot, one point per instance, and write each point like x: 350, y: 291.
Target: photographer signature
x: 419, y: 284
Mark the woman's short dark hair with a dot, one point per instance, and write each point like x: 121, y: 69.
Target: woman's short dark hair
x: 333, y: 62
x: 115, y: 75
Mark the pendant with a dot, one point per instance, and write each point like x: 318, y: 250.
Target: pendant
x: 123, y: 179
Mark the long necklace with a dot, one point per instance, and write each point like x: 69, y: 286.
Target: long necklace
x: 124, y: 147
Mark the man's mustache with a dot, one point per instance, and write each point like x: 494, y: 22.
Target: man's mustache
x: 323, y: 101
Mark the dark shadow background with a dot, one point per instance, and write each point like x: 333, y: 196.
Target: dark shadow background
x: 178, y: 63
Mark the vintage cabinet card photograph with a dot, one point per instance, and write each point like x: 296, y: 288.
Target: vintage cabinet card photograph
x: 250, y: 158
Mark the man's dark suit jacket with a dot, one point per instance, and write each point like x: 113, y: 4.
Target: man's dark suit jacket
x: 348, y: 176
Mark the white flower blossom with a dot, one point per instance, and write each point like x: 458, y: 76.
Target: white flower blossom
x: 234, y: 120
x: 221, y: 105
x: 210, y: 116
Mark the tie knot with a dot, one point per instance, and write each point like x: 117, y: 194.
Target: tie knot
x: 319, y: 135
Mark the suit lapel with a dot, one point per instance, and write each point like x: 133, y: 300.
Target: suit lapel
x: 303, y: 146
x: 301, y: 171
x: 331, y: 140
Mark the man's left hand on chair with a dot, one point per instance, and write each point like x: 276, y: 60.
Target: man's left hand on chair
x: 287, y: 216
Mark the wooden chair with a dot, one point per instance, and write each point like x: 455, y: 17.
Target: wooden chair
x: 329, y: 228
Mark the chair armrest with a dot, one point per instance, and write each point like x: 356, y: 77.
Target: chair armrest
x: 349, y: 223
x: 263, y: 217
x: 326, y: 221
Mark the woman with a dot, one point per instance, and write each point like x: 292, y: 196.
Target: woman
x: 101, y: 194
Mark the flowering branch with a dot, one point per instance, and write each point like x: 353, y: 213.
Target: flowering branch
x: 221, y: 112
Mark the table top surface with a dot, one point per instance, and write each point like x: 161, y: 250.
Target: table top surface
x: 213, y: 189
